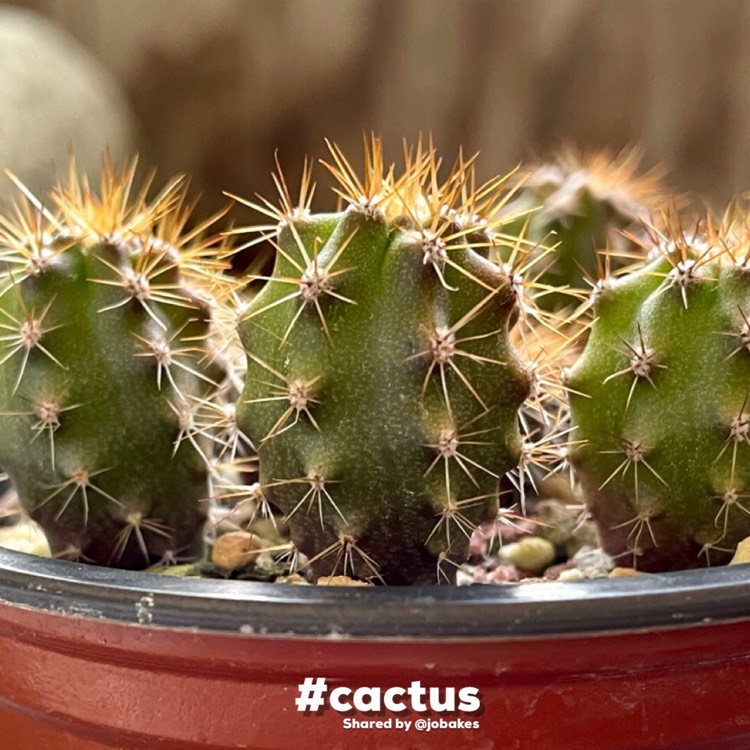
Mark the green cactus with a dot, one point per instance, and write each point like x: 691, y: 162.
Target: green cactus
x: 381, y: 392
x: 105, y: 371
x: 659, y: 399
x: 580, y: 204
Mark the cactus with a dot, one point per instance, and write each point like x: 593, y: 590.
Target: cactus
x: 382, y: 393
x: 582, y: 203
x: 659, y: 400
x: 104, y: 371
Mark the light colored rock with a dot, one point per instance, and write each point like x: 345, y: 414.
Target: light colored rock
x: 25, y: 536
x: 742, y: 554
x: 235, y: 548
x: 593, y: 562
x: 55, y: 99
x: 571, y: 575
x: 531, y: 554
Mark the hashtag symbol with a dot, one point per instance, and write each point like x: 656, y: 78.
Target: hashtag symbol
x: 311, y: 694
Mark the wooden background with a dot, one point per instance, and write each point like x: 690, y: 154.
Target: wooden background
x: 217, y: 85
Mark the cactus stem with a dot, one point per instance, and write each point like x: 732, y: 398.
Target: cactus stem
x: 631, y: 550
x: 138, y: 288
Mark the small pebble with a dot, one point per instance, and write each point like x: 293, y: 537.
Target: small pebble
x: 532, y: 554
x: 593, y: 562
x: 572, y: 574
x: 235, y: 549
x: 554, y: 571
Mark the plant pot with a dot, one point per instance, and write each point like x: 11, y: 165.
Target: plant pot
x: 96, y: 658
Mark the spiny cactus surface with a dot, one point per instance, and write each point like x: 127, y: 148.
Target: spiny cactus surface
x: 659, y: 400
x: 105, y: 318
x: 382, y: 393
x: 580, y: 204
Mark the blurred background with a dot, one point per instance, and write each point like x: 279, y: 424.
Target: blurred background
x: 213, y: 87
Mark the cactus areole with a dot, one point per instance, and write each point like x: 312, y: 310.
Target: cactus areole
x: 659, y: 400
x: 382, y: 393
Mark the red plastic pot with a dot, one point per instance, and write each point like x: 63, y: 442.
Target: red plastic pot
x: 94, y: 658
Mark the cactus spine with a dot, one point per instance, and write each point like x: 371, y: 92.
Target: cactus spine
x: 106, y: 317
x: 382, y: 393
x: 659, y: 400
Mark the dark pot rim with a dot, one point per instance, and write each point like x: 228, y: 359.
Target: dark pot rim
x: 426, y: 612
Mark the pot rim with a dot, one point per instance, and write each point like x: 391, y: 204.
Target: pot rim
x: 427, y: 612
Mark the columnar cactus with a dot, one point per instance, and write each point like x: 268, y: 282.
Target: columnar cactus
x: 580, y: 204
x: 105, y: 315
x: 659, y: 400
x: 382, y: 393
